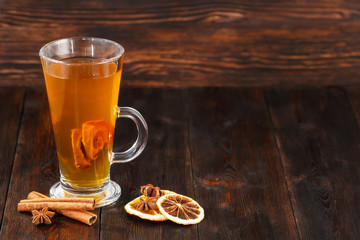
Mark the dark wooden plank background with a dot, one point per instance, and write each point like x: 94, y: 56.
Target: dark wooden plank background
x: 318, y: 138
x: 237, y: 166
x: 278, y: 160
x: 11, y: 100
x: 278, y: 164
x: 193, y: 43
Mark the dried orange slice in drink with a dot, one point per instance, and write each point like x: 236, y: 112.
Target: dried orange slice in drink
x: 81, y: 161
x: 180, y: 209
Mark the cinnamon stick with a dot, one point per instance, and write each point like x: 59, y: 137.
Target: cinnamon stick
x: 86, y: 217
x: 28, y: 206
x: 41, y: 200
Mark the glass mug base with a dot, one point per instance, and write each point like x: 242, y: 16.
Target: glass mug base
x: 106, y: 195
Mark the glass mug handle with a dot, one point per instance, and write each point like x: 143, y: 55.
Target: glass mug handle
x: 136, y: 149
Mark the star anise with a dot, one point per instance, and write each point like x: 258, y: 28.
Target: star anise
x: 42, y: 216
x: 145, y: 205
x: 150, y: 191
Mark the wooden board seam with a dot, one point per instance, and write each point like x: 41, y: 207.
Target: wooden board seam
x: 281, y: 161
x: 13, y: 158
x: 187, y: 112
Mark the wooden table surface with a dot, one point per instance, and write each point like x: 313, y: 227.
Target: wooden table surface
x: 253, y: 110
x: 264, y: 163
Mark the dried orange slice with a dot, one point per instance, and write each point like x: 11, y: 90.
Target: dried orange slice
x: 96, y: 135
x: 81, y: 161
x: 180, y: 209
x: 165, y: 192
x: 152, y: 215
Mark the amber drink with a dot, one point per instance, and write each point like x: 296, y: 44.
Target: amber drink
x: 83, y: 89
x: 79, y: 93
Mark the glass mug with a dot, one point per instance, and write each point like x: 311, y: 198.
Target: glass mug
x: 82, y: 78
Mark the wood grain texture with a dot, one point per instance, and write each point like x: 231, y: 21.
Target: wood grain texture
x: 165, y: 163
x: 354, y: 97
x: 193, y: 43
x: 238, y: 175
x: 319, y: 139
x: 264, y: 164
x: 11, y: 104
x: 36, y: 168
